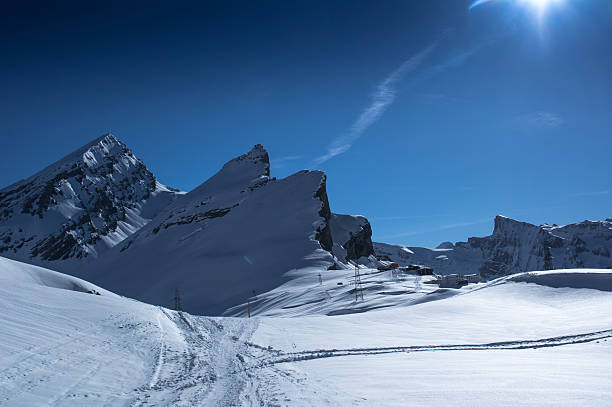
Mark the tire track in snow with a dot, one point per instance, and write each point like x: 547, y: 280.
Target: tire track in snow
x: 506, y: 345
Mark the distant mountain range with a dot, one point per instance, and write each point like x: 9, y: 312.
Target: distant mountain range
x: 514, y: 247
x: 100, y: 214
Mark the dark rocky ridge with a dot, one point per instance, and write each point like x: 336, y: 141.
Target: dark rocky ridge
x: 323, y: 233
x: 360, y: 243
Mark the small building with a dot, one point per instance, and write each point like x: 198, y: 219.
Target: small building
x: 417, y: 269
x: 472, y: 278
x: 425, y: 271
x: 388, y: 266
x: 457, y: 280
x: 452, y: 281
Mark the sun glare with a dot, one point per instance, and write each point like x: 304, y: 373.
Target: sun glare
x: 538, y: 5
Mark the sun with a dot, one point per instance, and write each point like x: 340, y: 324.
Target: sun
x: 540, y: 4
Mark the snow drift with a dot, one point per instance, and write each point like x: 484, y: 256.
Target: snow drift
x: 576, y: 278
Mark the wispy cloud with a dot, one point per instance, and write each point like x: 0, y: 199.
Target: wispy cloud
x: 478, y: 3
x: 438, y: 228
x: 408, y: 217
x: 385, y: 92
x: 282, y: 162
x: 405, y: 234
x: 439, y: 98
x: 462, y: 224
x: 383, y: 96
x: 594, y: 193
x: 540, y: 119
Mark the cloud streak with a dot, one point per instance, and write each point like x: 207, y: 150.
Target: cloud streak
x: 594, y: 193
x: 439, y: 228
x: 541, y: 119
x: 283, y: 161
x: 383, y: 96
x: 478, y: 3
x: 385, y: 92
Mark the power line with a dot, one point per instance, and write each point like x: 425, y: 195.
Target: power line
x: 358, y: 285
x: 177, y: 301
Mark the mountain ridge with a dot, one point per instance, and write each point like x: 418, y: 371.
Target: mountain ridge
x: 513, y: 247
x: 237, y: 234
x: 99, y: 213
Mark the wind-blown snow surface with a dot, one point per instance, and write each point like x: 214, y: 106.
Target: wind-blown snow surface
x: 505, y: 343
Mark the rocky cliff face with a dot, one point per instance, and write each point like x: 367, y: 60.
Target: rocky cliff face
x: 516, y: 247
x: 79, y: 206
x: 351, y: 237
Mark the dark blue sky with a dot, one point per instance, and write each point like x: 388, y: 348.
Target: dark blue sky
x: 429, y: 118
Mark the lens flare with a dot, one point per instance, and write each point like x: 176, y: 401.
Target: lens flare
x: 539, y: 5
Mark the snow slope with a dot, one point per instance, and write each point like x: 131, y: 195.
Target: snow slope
x: 505, y: 343
x: 239, y: 234
x: 88, y: 215
x: 60, y: 346
x: 80, y: 206
x: 234, y: 236
x: 332, y: 292
x: 514, y: 247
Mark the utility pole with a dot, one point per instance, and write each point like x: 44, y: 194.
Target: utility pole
x: 358, y: 286
x: 177, y: 301
x: 320, y: 279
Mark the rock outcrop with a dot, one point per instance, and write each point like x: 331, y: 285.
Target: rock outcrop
x: 351, y: 236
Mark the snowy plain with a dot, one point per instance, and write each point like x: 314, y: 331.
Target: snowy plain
x: 518, y: 340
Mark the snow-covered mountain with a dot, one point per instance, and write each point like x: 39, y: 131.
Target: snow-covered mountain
x: 238, y: 234
x: 234, y: 236
x: 80, y: 206
x: 514, y: 247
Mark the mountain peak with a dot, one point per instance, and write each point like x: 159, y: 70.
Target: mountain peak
x: 504, y: 225
x: 257, y: 159
x: 87, y: 201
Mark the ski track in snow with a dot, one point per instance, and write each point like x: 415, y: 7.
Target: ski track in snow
x: 110, y: 351
x: 160, y: 359
x: 214, y: 363
x: 221, y: 367
x: 208, y: 370
x: 506, y: 345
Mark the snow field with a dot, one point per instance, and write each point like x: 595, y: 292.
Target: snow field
x: 505, y: 343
